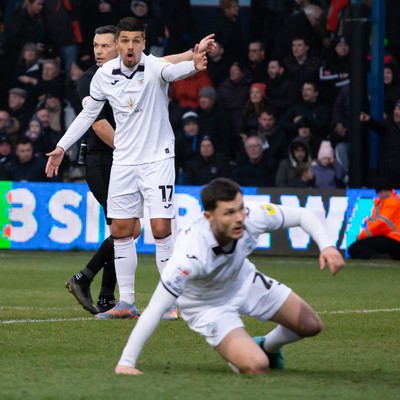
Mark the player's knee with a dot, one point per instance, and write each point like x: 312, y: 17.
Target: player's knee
x: 161, y: 232
x: 311, y: 326
x: 256, y: 366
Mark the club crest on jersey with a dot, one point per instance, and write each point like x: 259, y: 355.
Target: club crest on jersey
x: 212, y: 329
x: 249, y: 244
x: 270, y: 209
x: 140, y: 78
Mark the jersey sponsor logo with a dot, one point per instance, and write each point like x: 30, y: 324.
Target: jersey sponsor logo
x: 140, y: 78
x: 270, y: 209
x: 131, y: 104
x: 113, y: 83
x: 168, y: 206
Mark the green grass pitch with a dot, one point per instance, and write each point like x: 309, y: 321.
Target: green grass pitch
x: 50, y: 348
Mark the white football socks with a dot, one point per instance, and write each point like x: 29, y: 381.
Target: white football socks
x: 164, y: 249
x: 125, y: 268
x: 278, y: 337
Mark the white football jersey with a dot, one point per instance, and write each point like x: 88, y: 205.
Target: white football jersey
x: 140, y: 105
x: 139, y: 101
x: 201, y: 271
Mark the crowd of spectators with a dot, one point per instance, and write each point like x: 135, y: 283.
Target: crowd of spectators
x: 272, y: 111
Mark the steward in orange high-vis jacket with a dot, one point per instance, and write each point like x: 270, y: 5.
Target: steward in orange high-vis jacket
x: 381, y: 236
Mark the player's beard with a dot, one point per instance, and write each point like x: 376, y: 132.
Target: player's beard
x: 131, y: 59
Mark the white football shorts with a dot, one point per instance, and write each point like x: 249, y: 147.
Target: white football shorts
x: 134, y: 186
x: 261, y: 300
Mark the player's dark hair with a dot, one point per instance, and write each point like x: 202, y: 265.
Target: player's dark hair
x: 130, y: 24
x: 102, y: 30
x: 219, y: 189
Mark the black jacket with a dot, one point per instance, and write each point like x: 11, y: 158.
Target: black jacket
x: 202, y: 170
x: 390, y: 147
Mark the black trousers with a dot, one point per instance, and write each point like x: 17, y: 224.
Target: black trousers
x: 375, y: 247
x: 98, y: 169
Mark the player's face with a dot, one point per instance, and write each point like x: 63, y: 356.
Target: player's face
x: 104, y: 48
x: 130, y: 46
x: 227, y: 220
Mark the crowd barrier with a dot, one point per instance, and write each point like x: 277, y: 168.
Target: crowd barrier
x: 65, y: 216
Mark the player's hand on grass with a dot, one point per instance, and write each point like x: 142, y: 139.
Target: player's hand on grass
x: 199, y: 59
x: 332, y: 257
x: 207, y: 43
x: 54, y: 161
x: 126, y: 370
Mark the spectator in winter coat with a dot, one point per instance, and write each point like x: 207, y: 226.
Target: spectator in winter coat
x: 252, y: 168
x: 328, y: 173
x: 317, y: 113
x: 207, y: 165
x: 26, y: 167
x: 298, y: 152
x: 187, y: 144
x: 214, y: 121
x: 300, y: 64
x: 233, y: 94
x: 304, y: 176
x: 282, y: 91
x: 334, y: 72
x: 389, y: 132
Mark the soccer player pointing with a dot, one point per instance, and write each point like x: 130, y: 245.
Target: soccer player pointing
x: 213, y: 282
x: 142, y: 172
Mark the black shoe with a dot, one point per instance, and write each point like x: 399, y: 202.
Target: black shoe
x: 105, y: 303
x: 82, y: 293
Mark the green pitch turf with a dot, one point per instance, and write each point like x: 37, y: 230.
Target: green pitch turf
x: 50, y: 348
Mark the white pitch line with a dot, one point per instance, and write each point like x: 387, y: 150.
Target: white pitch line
x: 33, y: 308
x: 379, y: 310
x: 32, y: 321
x: 337, y: 312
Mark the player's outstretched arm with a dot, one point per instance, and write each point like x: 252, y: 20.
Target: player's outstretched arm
x: 161, y: 300
x: 53, y: 163
x: 307, y: 220
x: 332, y: 257
x: 206, y: 44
